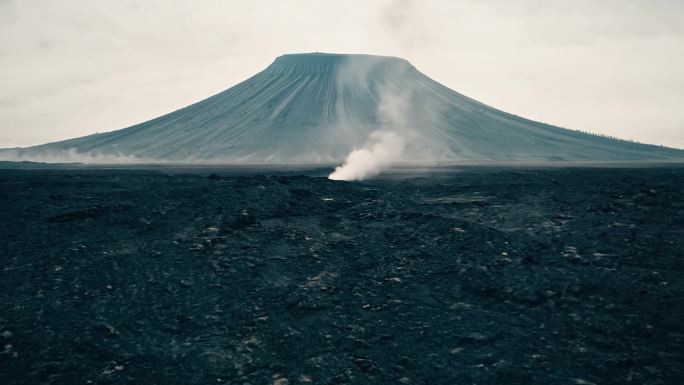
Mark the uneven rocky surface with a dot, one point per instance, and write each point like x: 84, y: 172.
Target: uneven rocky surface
x: 470, y: 276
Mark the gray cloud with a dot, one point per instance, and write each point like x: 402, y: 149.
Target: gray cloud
x: 74, y: 67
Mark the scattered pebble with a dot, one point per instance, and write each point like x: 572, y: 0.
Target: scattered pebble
x: 477, y: 336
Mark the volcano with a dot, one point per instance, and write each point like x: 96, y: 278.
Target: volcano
x: 316, y: 108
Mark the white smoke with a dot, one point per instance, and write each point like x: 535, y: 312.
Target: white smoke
x: 385, y: 146
x: 409, y: 114
x: 381, y: 151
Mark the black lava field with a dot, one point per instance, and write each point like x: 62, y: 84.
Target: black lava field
x: 464, y: 276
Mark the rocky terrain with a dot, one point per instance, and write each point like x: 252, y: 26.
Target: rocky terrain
x: 463, y: 276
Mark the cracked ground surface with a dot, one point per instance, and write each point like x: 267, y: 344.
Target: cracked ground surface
x: 469, y: 276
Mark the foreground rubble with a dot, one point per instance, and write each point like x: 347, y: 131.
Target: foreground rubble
x: 473, y: 276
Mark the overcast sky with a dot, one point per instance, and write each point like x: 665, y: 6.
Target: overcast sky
x: 75, y: 67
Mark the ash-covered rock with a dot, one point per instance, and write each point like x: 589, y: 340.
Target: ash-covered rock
x: 565, y: 276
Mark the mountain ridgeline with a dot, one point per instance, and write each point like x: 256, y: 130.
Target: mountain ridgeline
x: 316, y: 108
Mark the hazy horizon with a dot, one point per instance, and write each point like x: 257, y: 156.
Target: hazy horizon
x: 72, y: 68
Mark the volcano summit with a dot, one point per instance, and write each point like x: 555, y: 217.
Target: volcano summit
x: 316, y: 108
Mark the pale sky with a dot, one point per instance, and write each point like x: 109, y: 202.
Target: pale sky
x: 74, y: 67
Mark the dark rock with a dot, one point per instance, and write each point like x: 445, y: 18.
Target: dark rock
x: 330, y: 282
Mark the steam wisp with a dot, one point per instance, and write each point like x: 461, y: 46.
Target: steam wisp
x: 71, y: 155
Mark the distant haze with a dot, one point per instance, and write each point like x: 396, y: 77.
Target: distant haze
x: 74, y: 67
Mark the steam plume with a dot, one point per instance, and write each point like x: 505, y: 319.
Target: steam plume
x: 382, y: 149
x: 385, y: 146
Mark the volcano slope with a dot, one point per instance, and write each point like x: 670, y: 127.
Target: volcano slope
x: 316, y: 108
x: 469, y: 276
